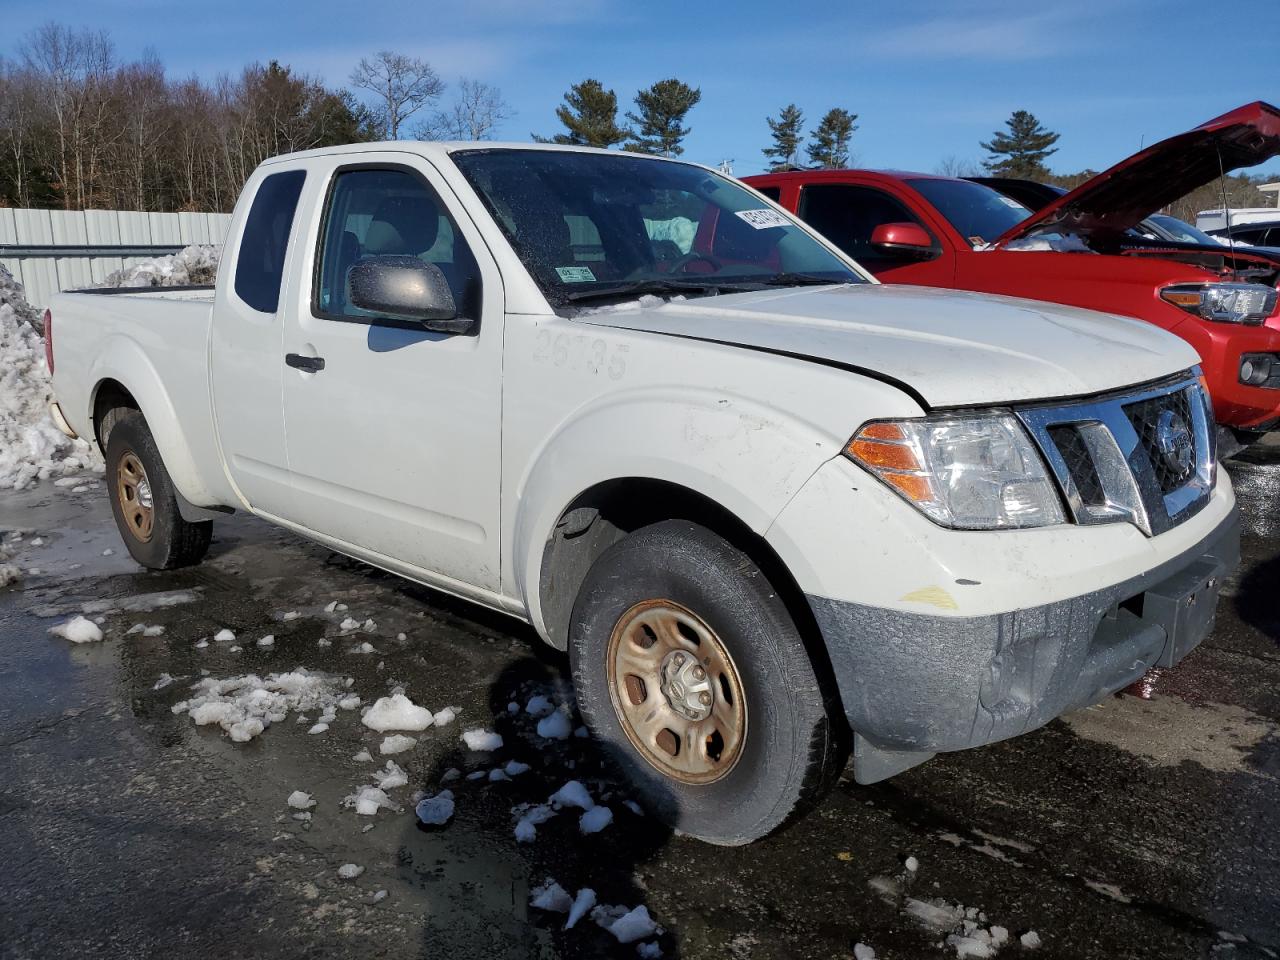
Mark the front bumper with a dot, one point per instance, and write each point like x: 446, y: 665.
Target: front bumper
x: 917, y: 684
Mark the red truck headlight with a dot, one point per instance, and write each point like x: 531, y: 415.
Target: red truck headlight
x: 1249, y: 303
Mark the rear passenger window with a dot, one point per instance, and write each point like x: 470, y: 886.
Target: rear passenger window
x: 375, y: 213
x: 265, y: 240
x: 847, y: 215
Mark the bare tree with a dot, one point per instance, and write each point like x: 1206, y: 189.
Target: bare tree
x: 953, y: 166
x: 475, y: 114
x: 403, y: 85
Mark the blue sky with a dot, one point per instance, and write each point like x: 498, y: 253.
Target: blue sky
x: 928, y: 79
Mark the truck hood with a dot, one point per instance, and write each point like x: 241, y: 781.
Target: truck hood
x: 1119, y: 198
x: 947, y: 348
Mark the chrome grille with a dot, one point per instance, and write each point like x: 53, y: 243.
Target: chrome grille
x: 1075, y: 452
x: 1144, y: 456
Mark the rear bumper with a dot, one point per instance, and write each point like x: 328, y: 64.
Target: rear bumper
x: 917, y: 684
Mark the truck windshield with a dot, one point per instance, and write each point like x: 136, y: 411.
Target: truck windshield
x: 978, y: 213
x: 591, y: 226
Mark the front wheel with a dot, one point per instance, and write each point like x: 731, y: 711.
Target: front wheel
x: 690, y: 670
x: 144, y: 502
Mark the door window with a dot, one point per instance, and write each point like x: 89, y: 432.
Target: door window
x: 847, y: 215
x: 389, y: 212
x: 265, y: 240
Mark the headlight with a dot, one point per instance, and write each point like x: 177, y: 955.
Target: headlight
x: 975, y: 473
x: 1224, y: 302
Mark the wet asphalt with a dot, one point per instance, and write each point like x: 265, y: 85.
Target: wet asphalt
x: 1137, y: 828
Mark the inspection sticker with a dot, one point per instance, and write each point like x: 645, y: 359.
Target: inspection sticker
x: 1010, y: 202
x: 576, y: 274
x: 764, y: 219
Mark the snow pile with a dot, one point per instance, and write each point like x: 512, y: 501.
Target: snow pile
x: 245, y: 706
x: 31, y: 447
x: 196, y: 265
x: 397, y: 712
x: 78, y: 630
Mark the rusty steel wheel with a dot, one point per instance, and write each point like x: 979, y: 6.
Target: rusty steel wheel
x: 676, y: 691
x: 133, y: 492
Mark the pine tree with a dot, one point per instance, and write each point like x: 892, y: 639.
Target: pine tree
x: 663, y: 108
x: 1022, y: 151
x: 590, y: 114
x: 786, y: 138
x: 830, y: 147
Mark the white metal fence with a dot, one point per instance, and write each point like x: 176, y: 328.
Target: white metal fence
x: 53, y: 250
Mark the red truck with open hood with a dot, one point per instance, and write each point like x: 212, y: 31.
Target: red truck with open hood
x: 1080, y: 249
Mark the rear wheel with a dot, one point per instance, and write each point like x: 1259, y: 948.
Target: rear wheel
x: 690, y: 670
x: 144, y: 502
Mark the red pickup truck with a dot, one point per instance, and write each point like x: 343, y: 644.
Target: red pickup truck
x: 1080, y: 249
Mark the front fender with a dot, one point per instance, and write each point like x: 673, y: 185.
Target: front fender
x: 124, y: 361
x: 747, y: 457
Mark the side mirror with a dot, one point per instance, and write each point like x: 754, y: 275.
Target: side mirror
x: 903, y: 239
x: 405, y: 288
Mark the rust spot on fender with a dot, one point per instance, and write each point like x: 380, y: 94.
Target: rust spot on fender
x: 934, y: 596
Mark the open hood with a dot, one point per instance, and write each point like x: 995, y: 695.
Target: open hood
x: 1117, y: 199
x: 947, y: 347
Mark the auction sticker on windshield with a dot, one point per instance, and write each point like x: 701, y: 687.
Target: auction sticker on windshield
x: 764, y: 219
x: 576, y: 274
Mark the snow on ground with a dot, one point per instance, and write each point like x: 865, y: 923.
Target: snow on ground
x: 78, y: 630
x: 31, y: 447
x: 966, y: 930
x: 367, y: 801
x: 595, y: 820
x: 349, y: 871
x: 245, y: 706
x: 555, y: 726
x: 195, y: 265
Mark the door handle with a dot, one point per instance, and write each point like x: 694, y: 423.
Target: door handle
x: 309, y: 364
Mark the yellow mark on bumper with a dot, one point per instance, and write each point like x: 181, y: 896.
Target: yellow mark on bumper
x: 934, y: 596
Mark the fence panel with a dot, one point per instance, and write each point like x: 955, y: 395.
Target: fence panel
x: 53, y: 250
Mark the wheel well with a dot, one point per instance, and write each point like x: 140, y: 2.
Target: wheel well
x: 604, y: 514
x: 111, y: 395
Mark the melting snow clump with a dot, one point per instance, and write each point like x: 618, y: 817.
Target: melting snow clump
x: 482, y: 741
x: 1030, y: 940
x: 555, y: 726
x: 396, y: 743
x: 300, y: 800
x: 550, y: 896
x: 572, y: 794
x: 78, y: 630
x: 863, y: 952
x: 397, y: 712
x: 367, y: 801
x: 245, y: 706
x: 435, y: 811
x: 584, y: 901
x: 349, y: 871
x: 595, y: 820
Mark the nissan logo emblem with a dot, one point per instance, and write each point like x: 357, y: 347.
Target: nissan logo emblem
x: 1173, y: 439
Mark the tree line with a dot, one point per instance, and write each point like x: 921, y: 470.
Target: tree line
x: 81, y: 129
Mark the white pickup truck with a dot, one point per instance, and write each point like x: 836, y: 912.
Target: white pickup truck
x: 775, y: 512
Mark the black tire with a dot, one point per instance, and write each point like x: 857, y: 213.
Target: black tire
x: 170, y: 541
x: 791, y: 752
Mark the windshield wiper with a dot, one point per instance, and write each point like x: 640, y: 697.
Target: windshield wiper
x: 803, y: 280
x: 656, y: 287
